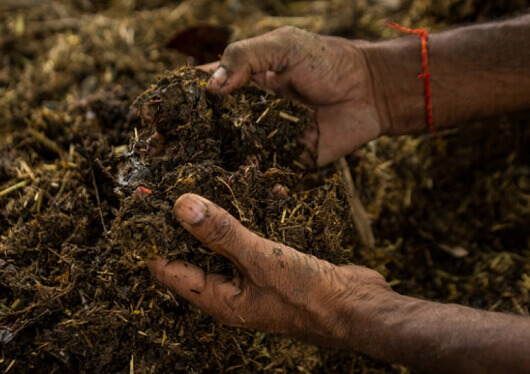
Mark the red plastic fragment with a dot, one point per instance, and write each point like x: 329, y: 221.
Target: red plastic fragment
x: 142, y: 191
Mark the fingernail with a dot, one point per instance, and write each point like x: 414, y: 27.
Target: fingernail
x: 220, y: 76
x: 190, y: 209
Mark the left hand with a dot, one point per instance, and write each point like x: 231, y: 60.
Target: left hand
x: 281, y: 290
x: 330, y: 74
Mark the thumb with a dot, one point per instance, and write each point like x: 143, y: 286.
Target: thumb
x: 221, y: 232
x: 274, y: 51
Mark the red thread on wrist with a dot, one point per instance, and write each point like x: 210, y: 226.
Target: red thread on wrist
x: 426, y: 75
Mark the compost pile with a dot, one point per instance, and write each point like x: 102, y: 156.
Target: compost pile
x: 233, y: 149
x: 86, y: 190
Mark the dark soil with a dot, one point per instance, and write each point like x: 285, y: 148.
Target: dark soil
x: 235, y: 150
x: 86, y: 198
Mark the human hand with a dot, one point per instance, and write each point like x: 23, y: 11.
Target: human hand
x: 350, y: 307
x: 281, y: 290
x: 329, y: 74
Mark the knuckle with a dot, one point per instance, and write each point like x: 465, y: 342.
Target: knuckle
x: 221, y: 230
x: 231, y: 314
x: 288, y: 30
x: 234, y: 52
x: 293, y: 34
x: 352, y: 273
x: 216, y: 303
x: 232, y: 48
x: 222, y: 314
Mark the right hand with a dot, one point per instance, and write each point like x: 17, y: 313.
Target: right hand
x: 280, y: 290
x: 329, y: 74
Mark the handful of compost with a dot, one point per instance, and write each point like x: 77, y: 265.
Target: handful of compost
x: 238, y: 150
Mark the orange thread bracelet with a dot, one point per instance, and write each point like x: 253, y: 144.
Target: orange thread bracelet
x: 426, y: 75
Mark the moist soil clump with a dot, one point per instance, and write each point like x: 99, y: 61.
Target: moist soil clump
x: 239, y: 151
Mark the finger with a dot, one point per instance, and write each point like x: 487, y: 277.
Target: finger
x: 280, y: 83
x: 221, y: 232
x: 274, y: 51
x: 270, y: 80
x: 182, y: 277
x: 209, y: 68
x: 216, y: 294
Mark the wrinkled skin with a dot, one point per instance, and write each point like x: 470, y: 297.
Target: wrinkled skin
x: 281, y: 289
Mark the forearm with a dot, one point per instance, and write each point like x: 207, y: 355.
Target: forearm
x: 476, y: 71
x: 442, y: 337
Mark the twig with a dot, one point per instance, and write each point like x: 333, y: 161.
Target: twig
x: 131, y: 365
x: 358, y: 213
x: 236, y: 203
x: 29, y: 308
x: 10, y: 365
x: 263, y: 114
x: 63, y: 186
x: 105, y: 171
x: 28, y: 170
x: 13, y: 188
x: 289, y: 117
x: 47, y: 142
x: 58, y: 255
x: 97, y: 193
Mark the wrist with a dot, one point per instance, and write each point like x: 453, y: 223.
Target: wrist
x: 395, y: 65
x: 385, y: 325
x: 361, y: 315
